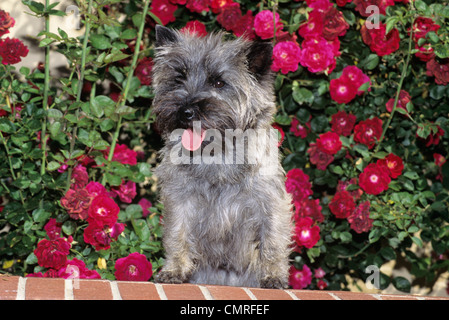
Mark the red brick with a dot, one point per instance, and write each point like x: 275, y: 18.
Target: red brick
x: 92, y: 290
x: 397, y: 297
x: 347, y: 295
x: 312, y: 295
x: 183, y: 292
x: 270, y: 294
x: 227, y: 293
x: 44, y: 289
x: 138, y: 291
x: 8, y: 287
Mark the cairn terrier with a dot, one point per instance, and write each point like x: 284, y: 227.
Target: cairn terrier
x: 227, y: 217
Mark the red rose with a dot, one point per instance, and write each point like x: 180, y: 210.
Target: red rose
x: 320, y: 6
x: 297, y: 183
x: 96, y: 189
x: 368, y: 132
x: 300, y: 279
x: 245, y: 26
x: 103, y: 210
x: 374, y: 179
x: 342, y: 90
x: 434, y: 138
x: 362, y: 5
x: 143, y: 71
x: 343, y: 123
x: 281, y: 134
x: 53, y: 229
x: 134, y: 267
x: 305, y: 234
x: 342, y: 3
x: 264, y: 24
x: 394, y: 165
x: 164, y: 10
x: 318, y: 157
x: 198, y: 5
x: 100, y: 236
x: 422, y: 26
x: 342, y: 185
x: 334, y: 24
x: 439, y: 159
x: 404, y: 98
x: 6, y: 22
x: 229, y: 16
x: 146, y: 205
x: 318, y: 55
x: 359, y: 220
x: 425, y: 52
x: 379, y: 42
x: 329, y: 143
x: 218, y: 5
x: 77, y: 203
x: 52, y: 253
x: 438, y: 69
x: 11, y: 50
x: 122, y: 154
x: 285, y: 57
x: 126, y: 191
x: 76, y: 269
x: 342, y: 204
x: 309, y: 208
x: 313, y: 27
x: 298, y: 129
x: 195, y: 27
x: 79, y: 177
x: 357, y: 77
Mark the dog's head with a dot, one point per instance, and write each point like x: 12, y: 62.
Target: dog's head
x: 222, y: 84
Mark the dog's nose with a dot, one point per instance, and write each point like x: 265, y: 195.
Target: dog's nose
x: 189, y: 113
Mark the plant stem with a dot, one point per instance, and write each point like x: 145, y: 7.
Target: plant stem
x: 46, y: 89
x: 129, y: 77
x: 401, y: 81
x: 79, y: 89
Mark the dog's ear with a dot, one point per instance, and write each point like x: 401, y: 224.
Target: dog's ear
x: 259, y: 58
x: 165, y: 36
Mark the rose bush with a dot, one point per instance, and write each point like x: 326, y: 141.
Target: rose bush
x: 362, y: 114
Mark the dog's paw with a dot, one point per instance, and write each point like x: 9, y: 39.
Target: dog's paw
x: 170, y: 277
x: 273, y: 283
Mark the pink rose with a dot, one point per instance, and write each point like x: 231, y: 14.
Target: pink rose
x: 134, y: 267
x: 285, y: 57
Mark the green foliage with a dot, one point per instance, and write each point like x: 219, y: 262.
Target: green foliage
x: 100, y: 103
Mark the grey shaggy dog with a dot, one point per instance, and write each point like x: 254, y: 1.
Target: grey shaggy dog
x: 224, y: 223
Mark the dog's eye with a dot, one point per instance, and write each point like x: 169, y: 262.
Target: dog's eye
x: 218, y: 84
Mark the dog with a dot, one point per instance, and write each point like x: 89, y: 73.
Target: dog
x: 227, y: 215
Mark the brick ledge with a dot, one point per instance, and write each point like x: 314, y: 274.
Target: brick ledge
x: 20, y: 288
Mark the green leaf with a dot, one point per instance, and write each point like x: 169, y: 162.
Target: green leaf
x: 388, y: 253
x: 402, y: 284
x: 100, y: 41
x: 370, y: 62
x: 411, y: 175
x: 69, y: 227
x: 99, y: 103
x: 303, y: 95
x: 53, y: 165
x: 40, y: 215
x: 421, y: 5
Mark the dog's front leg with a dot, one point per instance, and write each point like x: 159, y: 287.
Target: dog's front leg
x: 275, y: 250
x: 179, y: 264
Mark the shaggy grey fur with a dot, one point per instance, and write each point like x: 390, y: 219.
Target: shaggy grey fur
x: 224, y: 223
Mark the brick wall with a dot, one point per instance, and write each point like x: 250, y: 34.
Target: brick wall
x: 20, y: 288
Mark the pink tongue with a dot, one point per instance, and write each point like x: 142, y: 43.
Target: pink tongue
x: 191, y: 140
